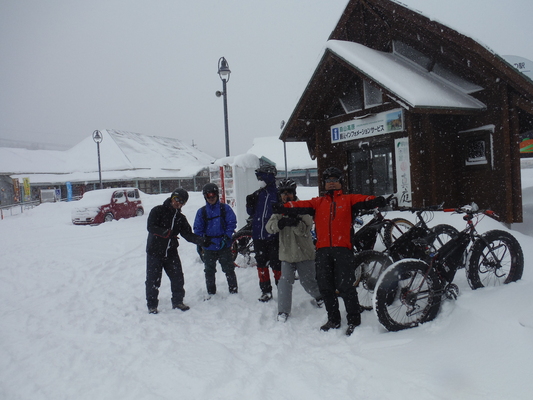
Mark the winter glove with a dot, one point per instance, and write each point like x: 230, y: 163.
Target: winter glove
x: 379, y: 201
x: 370, y: 204
x: 251, y: 200
x: 206, y: 242
x: 278, y: 208
x: 290, y: 221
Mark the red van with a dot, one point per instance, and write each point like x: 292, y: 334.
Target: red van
x: 105, y: 205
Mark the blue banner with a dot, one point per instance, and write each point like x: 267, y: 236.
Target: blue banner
x: 69, y: 191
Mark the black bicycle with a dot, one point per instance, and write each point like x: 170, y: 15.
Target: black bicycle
x: 371, y: 263
x: 365, y: 235
x: 409, y: 292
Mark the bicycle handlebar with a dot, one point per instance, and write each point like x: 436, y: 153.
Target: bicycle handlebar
x: 416, y: 209
x: 470, y: 211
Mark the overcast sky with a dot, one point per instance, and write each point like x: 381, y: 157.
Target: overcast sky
x: 68, y: 67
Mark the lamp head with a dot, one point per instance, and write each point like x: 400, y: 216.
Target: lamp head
x: 223, y: 69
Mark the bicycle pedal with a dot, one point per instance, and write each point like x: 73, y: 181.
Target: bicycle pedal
x: 451, y: 291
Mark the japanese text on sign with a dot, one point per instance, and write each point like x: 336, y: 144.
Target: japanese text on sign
x: 390, y: 121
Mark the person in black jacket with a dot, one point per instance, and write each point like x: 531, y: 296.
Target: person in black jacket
x: 165, y: 223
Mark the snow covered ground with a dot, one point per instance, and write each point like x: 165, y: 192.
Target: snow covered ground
x: 74, y: 325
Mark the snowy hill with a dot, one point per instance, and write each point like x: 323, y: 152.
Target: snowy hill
x: 75, y: 326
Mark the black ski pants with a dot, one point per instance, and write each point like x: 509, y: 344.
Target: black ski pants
x: 335, y: 270
x: 154, y: 272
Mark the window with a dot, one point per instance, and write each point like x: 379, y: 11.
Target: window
x: 373, y: 96
x: 476, y: 152
x: 411, y: 54
x: 351, y: 99
x: 119, y: 197
x: 477, y: 147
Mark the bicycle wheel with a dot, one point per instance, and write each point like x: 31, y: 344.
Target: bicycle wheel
x: 371, y: 264
x: 394, y: 229
x: 242, y: 249
x: 406, y: 295
x: 496, y: 258
x: 442, y: 235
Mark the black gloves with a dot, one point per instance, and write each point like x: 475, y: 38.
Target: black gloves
x: 289, y: 221
x: 205, y: 242
x: 278, y: 208
x: 379, y: 201
x: 251, y: 200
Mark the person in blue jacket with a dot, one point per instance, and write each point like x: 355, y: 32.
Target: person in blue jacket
x: 266, y: 245
x: 216, y: 222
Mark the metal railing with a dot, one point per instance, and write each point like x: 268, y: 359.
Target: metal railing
x: 13, y: 209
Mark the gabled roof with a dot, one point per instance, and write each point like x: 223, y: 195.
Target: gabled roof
x: 123, y: 156
x: 361, y: 44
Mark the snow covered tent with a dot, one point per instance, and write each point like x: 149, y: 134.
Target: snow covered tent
x: 410, y: 106
x: 154, y: 164
x: 300, y: 166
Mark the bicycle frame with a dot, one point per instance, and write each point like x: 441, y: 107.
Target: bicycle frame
x: 365, y: 237
x: 451, y: 256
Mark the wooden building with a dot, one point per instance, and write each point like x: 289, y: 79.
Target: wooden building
x: 407, y: 105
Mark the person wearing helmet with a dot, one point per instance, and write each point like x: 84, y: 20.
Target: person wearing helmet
x: 259, y: 207
x: 216, y: 221
x: 296, y: 251
x: 334, y: 254
x: 165, y: 223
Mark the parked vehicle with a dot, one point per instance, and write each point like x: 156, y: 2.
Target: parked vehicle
x: 409, y: 292
x: 105, y: 205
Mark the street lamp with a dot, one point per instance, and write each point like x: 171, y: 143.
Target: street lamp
x: 97, y: 137
x: 224, y: 73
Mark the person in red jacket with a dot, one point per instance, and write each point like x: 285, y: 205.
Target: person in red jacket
x: 335, y: 264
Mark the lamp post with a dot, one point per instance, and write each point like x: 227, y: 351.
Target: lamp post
x: 224, y: 73
x: 97, y: 137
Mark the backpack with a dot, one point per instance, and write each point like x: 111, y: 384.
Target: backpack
x: 222, y: 215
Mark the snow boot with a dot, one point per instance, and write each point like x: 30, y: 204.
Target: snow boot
x: 330, y: 325
x: 350, y: 329
x: 282, y: 317
x: 265, y: 297
x: 181, y: 306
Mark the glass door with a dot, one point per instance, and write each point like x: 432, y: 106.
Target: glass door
x: 371, y: 171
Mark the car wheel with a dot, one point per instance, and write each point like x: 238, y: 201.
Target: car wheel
x: 108, y: 217
x: 139, y: 212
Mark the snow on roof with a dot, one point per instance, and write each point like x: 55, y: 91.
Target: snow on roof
x: 245, y: 161
x: 123, y: 156
x: 412, y: 86
x: 271, y: 147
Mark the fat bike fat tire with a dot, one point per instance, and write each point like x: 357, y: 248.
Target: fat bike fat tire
x: 495, y: 259
x: 394, y: 229
x: 369, y: 264
x: 407, y: 295
x: 442, y: 234
x: 242, y: 249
